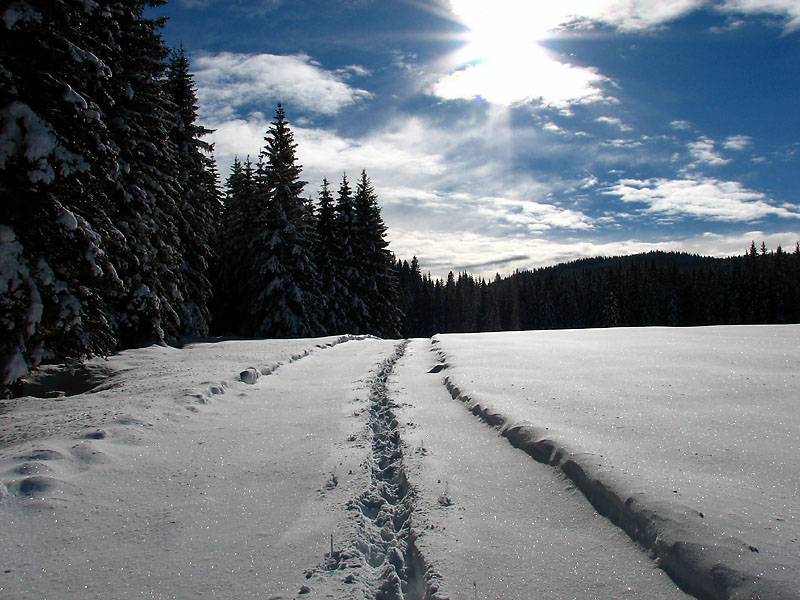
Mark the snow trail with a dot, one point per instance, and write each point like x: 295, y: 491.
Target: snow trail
x: 495, y: 524
x: 389, y: 564
x: 232, y: 501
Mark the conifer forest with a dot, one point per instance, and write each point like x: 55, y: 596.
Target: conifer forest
x: 117, y: 230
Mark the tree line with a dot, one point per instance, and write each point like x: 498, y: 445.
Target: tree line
x: 114, y: 232
x: 289, y: 267
x: 655, y: 288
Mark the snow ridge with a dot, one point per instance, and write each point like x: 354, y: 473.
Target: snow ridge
x: 252, y: 374
x: 392, y: 566
x: 703, y: 563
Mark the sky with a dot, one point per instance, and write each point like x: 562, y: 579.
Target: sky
x: 504, y: 135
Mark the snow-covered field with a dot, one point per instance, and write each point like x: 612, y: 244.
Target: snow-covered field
x: 509, y: 465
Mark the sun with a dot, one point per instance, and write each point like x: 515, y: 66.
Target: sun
x: 501, y: 30
x: 504, y: 61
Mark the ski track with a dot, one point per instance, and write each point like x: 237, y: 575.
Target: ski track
x: 384, y: 559
x: 676, y: 539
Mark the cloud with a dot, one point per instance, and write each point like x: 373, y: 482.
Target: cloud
x: 708, y: 199
x: 229, y: 84
x: 737, y: 142
x: 484, y: 255
x: 789, y: 10
x: 625, y: 15
x: 704, y: 152
x: 614, y: 122
x: 548, y: 16
x: 681, y: 125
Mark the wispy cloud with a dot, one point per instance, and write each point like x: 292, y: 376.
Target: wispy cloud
x: 704, y: 152
x: 625, y: 15
x: 548, y: 16
x: 614, y: 122
x: 484, y: 255
x: 788, y: 10
x: 709, y: 199
x: 737, y: 142
x: 681, y: 125
x: 229, y: 83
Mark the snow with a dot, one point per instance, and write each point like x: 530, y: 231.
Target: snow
x: 355, y: 467
x: 697, y: 426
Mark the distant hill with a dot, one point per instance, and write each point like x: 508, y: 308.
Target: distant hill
x: 653, y: 288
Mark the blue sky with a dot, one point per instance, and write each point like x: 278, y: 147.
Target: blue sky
x: 504, y: 134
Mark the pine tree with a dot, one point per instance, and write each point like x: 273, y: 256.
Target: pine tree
x: 198, y: 202
x: 377, y: 281
x: 283, y: 299
x: 232, y: 270
x: 352, y: 305
x: 145, y: 187
x: 332, y: 292
x: 55, y: 154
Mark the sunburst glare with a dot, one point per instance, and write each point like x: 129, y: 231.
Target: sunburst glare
x: 503, y: 60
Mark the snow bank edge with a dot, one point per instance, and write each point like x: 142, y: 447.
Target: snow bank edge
x: 701, y: 562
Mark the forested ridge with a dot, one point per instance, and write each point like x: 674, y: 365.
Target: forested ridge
x: 655, y: 288
x: 116, y: 229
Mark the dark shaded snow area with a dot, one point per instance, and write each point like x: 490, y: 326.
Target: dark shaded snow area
x: 618, y: 463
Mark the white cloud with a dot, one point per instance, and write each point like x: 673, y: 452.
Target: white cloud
x: 704, y: 152
x: 614, y: 122
x: 737, y: 142
x: 537, y: 17
x: 527, y: 216
x: 230, y: 83
x: 787, y: 9
x: 626, y: 15
x: 681, y: 125
x: 484, y: 255
x: 709, y: 199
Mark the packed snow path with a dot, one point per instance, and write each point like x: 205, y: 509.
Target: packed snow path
x: 238, y: 497
x: 496, y: 524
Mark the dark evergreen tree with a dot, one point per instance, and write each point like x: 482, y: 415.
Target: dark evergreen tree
x: 232, y: 271
x: 376, y: 284
x: 55, y: 159
x: 198, y: 202
x: 656, y: 288
x: 145, y: 189
x: 332, y: 292
x: 283, y: 297
x: 352, y: 307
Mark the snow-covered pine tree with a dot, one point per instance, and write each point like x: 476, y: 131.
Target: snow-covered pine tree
x: 55, y: 153
x: 377, y: 282
x: 332, y: 291
x: 352, y: 308
x: 283, y: 299
x: 231, y: 270
x: 198, y: 202
x: 144, y: 186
